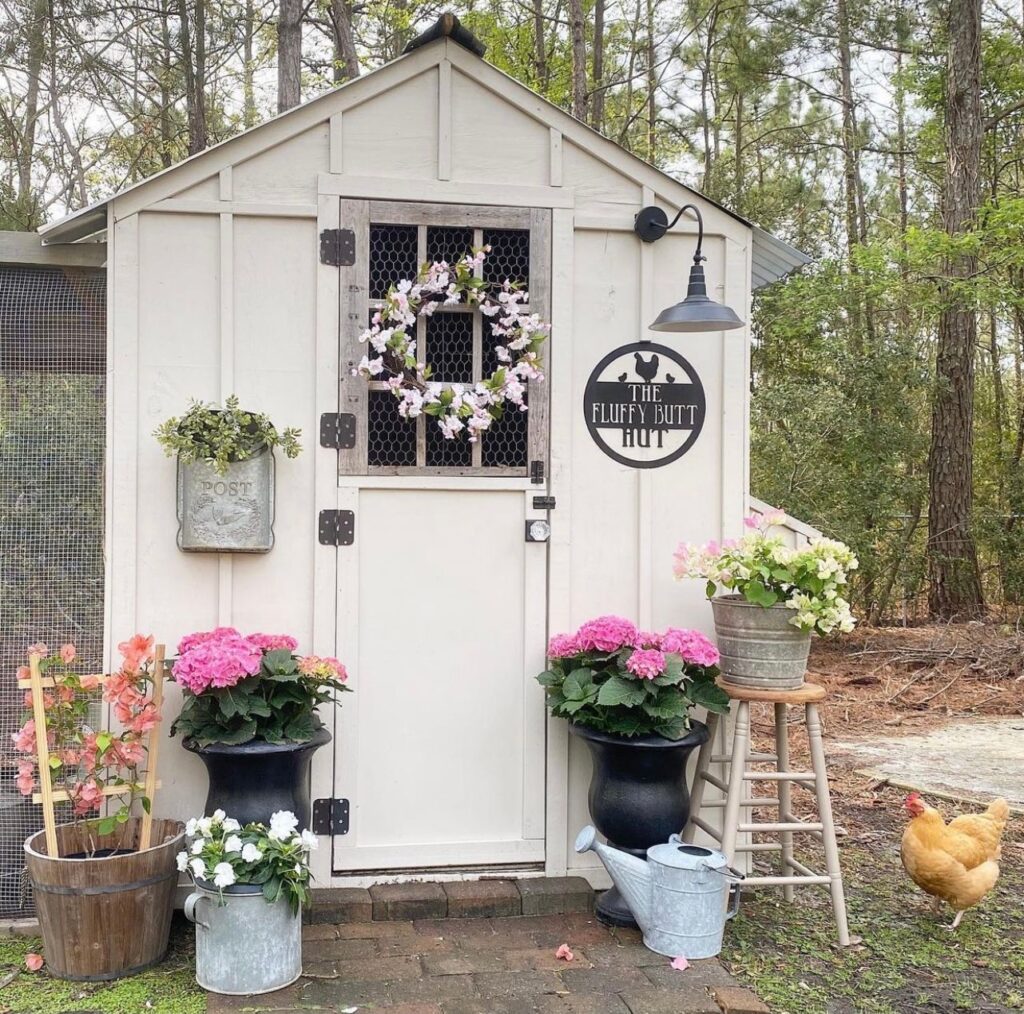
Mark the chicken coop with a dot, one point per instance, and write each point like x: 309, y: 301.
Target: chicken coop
x: 252, y: 267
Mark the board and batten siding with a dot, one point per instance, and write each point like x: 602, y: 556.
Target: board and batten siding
x: 216, y: 289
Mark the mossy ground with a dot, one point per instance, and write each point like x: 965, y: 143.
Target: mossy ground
x: 907, y: 961
x: 170, y: 988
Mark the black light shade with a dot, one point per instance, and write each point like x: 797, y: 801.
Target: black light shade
x: 698, y: 312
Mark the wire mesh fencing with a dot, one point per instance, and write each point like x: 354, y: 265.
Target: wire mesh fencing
x: 52, y: 434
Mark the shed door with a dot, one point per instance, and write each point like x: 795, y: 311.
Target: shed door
x: 441, y: 600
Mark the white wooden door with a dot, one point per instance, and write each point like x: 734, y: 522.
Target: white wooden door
x: 441, y: 598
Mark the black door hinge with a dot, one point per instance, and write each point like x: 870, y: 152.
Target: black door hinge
x: 536, y: 472
x: 337, y: 528
x: 338, y: 429
x: 543, y: 503
x: 330, y: 816
x: 338, y: 247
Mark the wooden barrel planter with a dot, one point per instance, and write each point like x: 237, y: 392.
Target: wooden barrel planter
x: 110, y: 916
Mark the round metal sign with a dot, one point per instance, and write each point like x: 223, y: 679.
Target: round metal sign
x: 644, y: 405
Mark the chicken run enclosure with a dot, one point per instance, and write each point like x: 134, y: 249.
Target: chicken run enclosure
x: 250, y: 269
x: 52, y: 435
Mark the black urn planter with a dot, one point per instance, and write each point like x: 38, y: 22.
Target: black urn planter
x: 638, y: 796
x: 253, y: 780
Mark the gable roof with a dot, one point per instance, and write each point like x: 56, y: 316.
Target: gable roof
x: 772, y: 257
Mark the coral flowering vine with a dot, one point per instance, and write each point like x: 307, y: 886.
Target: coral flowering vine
x: 613, y: 677
x: 458, y: 408
x: 808, y: 579
x: 84, y: 761
x: 240, y: 688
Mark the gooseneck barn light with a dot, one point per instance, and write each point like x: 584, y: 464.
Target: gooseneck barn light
x: 698, y: 311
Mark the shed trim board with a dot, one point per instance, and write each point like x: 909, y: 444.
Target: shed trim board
x: 215, y: 287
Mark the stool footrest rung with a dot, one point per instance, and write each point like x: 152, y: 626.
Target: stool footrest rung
x: 714, y: 804
x: 784, y: 881
x: 795, y: 864
x: 707, y: 828
x: 715, y: 781
x: 725, y: 758
x: 796, y: 826
x: 779, y: 776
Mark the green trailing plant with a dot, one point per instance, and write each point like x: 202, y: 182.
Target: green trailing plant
x: 220, y: 436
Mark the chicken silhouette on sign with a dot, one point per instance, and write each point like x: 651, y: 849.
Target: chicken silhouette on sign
x: 638, y: 419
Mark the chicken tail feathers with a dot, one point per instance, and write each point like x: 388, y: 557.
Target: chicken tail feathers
x: 999, y: 810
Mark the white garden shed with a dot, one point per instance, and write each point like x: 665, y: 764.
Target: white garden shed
x: 218, y: 283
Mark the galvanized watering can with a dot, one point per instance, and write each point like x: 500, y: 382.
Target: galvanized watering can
x: 243, y: 944
x: 679, y: 896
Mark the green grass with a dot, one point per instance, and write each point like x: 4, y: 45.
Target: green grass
x: 170, y: 988
x: 907, y: 960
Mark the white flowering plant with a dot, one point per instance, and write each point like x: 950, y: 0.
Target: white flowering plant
x: 221, y: 852
x: 458, y: 408
x: 808, y: 579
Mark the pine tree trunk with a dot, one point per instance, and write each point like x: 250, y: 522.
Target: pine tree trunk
x: 955, y: 582
x: 289, y: 54
x: 579, y: 60
x: 248, y: 77
x: 597, y: 97
x: 195, y: 98
x: 346, y: 59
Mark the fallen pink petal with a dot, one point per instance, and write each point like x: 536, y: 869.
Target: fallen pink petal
x: 564, y: 953
x: 680, y: 964
x: 33, y: 962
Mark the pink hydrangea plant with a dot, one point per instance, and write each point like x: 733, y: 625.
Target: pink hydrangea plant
x: 606, y: 633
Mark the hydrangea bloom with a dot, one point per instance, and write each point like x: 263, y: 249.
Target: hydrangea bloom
x: 562, y: 646
x: 692, y: 645
x: 273, y: 642
x: 220, y: 660
x: 606, y: 633
x: 647, y: 663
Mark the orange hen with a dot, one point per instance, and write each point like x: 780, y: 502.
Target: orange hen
x: 955, y: 862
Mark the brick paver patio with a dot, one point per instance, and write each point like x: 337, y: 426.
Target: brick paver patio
x: 496, y: 965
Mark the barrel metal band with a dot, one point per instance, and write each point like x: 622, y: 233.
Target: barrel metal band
x: 111, y: 889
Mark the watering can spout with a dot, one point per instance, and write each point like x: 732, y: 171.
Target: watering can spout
x: 632, y: 876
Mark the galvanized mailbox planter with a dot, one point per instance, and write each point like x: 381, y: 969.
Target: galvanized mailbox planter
x: 230, y: 513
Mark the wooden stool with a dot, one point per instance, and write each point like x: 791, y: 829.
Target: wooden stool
x: 737, y: 795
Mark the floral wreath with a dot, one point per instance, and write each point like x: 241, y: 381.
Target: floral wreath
x: 457, y: 407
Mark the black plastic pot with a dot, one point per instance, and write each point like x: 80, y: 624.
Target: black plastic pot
x: 638, y: 796
x: 253, y: 780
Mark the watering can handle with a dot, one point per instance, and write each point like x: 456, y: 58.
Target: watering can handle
x: 190, y: 909
x: 731, y: 873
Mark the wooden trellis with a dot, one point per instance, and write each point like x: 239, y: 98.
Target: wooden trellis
x: 37, y: 683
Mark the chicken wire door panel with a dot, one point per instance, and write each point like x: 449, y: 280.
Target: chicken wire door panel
x: 52, y: 440
x: 392, y: 241
x: 441, y: 601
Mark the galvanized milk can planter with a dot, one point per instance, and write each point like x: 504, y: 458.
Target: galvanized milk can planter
x: 244, y: 944
x: 108, y: 916
x: 251, y: 882
x: 759, y: 646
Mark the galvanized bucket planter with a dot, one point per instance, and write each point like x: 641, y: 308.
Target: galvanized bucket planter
x: 760, y: 648
x: 230, y: 513
x: 244, y: 944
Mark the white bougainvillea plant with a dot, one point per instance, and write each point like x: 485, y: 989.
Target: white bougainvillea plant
x: 766, y: 572
x: 458, y: 408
